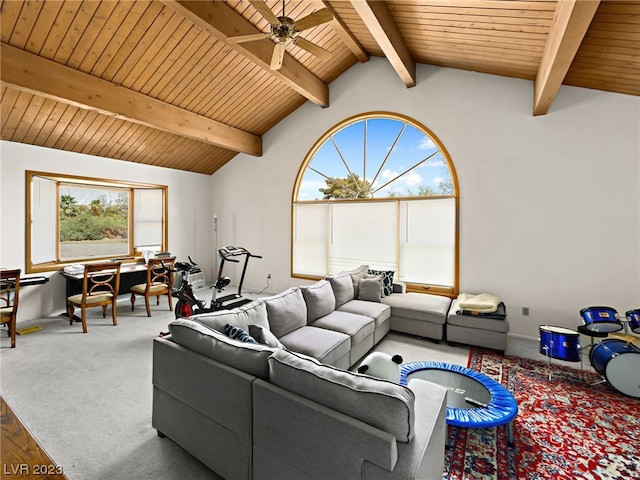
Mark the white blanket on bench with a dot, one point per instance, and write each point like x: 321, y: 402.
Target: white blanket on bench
x: 484, y: 302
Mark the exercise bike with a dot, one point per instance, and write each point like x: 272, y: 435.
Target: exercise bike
x: 188, y: 303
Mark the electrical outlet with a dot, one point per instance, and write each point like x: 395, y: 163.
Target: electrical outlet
x: 268, y: 276
x: 525, y: 311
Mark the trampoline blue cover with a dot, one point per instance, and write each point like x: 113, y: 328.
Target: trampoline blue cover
x: 500, y: 410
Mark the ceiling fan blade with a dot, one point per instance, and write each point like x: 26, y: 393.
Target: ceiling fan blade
x: 278, y: 56
x: 313, y: 49
x: 252, y: 37
x: 265, y: 11
x: 313, y: 20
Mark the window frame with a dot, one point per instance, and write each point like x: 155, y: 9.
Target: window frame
x: 133, y: 254
x: 452, y: 291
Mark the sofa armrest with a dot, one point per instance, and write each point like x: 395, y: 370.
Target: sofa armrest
x: 399, y: 287
x: 422, y: 457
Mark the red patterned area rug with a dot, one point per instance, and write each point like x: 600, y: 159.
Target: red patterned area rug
x: 565, y: 428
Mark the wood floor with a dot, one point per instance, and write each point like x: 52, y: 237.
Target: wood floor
x: 21, y: 455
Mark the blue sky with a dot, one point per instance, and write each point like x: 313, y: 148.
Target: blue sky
x: 411, y: 147
x: 85, y: 195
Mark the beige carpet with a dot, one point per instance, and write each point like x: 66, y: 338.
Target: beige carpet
x: 87, y: 397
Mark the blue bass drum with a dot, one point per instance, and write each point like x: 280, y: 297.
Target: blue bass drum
x: 619, y: 362
x: 560, y: 343
x: 633, y: 317
x: 601, y: 319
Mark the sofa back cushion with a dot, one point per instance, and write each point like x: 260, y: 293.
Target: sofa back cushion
x: 381, y: 404
x: 286, y: 311
x: 251, y: 358
x: 342, y: 287
x: 253, y: 313
x: 319, y: 298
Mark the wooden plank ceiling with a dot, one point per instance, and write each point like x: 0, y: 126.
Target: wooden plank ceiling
x: 155, y: 82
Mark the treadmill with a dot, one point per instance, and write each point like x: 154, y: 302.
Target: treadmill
x: 231, y: 254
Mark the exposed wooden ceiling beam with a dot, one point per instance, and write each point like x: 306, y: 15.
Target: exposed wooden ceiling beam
x: 343, y: 32
x: 570, y: 23
x: 377, y: 17
x: 222, y: 21
x: 28, y: 72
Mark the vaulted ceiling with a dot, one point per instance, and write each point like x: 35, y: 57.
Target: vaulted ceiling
x: 159, y: 82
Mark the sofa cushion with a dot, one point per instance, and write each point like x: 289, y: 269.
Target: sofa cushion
x: 286, y: 311
x: 378, y: 311
x: 419, y: 306
x: 370, y: 289
x: 251, y: 358
x: 319, y: 298
x: 359, y: 396
x: 387, y: 280
x: 342, y: 287
x: 254, y: 312
x: 328, y: 346
x: 264, y: 336
x: 356, y: 326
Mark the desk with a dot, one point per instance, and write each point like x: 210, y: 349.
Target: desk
x: 28, y: 281
x: 130, y: 274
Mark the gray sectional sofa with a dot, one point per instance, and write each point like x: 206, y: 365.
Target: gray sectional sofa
x: 260, y: 411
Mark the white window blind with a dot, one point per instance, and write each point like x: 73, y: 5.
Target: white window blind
x: 427, y: 241
x: 147, y: 229
x: 363, y: 233
x: 43, y: 220
x: 310, y: 239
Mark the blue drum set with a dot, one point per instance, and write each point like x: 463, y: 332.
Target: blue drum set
x: 616, y: 360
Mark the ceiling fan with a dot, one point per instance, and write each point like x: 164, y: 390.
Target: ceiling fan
x: 285, y: 30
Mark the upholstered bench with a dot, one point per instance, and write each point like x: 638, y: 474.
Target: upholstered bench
x: 419, y: 314
x: 476, y: 330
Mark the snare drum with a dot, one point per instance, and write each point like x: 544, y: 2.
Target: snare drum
x: 619, y: 362
x: 633, y: 317
x: 560, y: 343
x: 601, y: 319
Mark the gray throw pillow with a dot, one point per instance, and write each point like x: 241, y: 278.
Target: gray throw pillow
x: 264, y: 336
x: 387, y: 280
x: 357, y: 274
x: 370, y: 289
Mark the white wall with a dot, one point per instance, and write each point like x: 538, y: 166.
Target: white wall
x: 550, y: 208
x: 190, y: 212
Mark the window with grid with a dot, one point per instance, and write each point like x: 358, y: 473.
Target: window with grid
x: 378, y: 189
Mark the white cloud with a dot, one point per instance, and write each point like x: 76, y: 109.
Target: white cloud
x: 438, y: 180
x: 426, y: 144
x: 310, y: 190
x: 408, y: 180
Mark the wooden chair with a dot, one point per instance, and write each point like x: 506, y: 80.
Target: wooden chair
x: 9, y: 297
x: 100, y: 287
x: 159, y: 282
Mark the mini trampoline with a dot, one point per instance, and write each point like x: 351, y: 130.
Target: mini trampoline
x: 473, y: 399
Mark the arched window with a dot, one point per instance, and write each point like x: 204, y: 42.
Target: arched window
x: 378, y: 189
